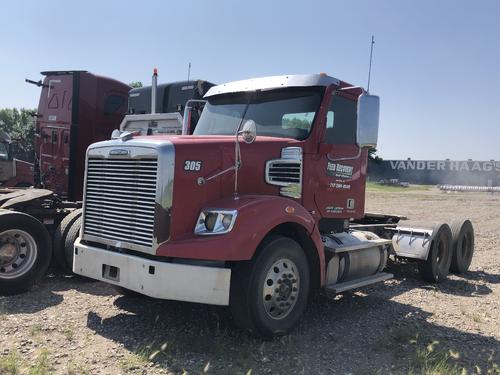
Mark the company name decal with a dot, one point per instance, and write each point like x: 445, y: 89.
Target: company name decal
x: 442, y: 165
x: 339, y: 170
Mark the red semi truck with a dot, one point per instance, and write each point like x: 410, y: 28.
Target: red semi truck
x: 263, y: 204
x: 76, y: 108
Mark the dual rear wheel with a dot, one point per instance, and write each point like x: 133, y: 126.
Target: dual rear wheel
x: 25, y: 252
x: 64, y: 238
x: 451, y: 249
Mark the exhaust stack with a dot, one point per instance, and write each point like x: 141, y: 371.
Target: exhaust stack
x: 154, y: 84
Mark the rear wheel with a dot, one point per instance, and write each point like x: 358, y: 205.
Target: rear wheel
x: 462, y: 241
x: 60, y: 236
x: 25, y: 252
x: 69, y: 243
x: 269, y: 293
x: 436, y: 267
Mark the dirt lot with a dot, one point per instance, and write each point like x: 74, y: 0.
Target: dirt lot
x: 72, y: 326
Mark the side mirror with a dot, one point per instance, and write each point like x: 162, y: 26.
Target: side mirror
x: 368, y: 115
x: 248, y: 132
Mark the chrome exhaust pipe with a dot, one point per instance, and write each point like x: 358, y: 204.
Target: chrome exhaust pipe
x: 154, y: 85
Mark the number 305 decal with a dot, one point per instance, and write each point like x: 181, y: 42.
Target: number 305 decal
x: 192, y: 165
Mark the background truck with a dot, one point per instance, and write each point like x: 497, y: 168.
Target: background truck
x: 262, y: 205
x: 76, y: 108
x: 13, y: 172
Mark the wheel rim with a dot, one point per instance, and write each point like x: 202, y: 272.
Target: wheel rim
x: 18, y: 251
x: 281, y: 289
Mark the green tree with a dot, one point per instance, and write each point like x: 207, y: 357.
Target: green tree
x: 135, y: 84
x: 372, y: 155
x: 20, y: 125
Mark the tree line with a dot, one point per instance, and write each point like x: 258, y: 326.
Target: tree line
x: 19, y: 124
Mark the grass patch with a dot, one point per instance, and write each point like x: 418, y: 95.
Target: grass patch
x: 69, y: 334
x: 10, y: 364
x: 76, y: 369
x: 41, y: 365
x: 431, y: 360
x: 143, y: 354
x: 35, y: 329
x: 373, y: 186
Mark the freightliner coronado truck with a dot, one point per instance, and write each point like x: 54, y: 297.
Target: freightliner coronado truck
x: 76, y: 108
x: 262, y: 205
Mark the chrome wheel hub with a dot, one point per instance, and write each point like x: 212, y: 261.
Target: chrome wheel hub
x: 17, y: 253
x: 281, y: 288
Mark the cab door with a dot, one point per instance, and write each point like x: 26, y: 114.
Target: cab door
x: 341, y: 166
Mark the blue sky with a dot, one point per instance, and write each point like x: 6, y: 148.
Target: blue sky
x: 436, y: 63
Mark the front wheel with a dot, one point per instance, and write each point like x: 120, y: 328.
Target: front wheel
x: 269, y: 293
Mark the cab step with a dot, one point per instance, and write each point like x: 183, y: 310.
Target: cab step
x: 358, y: 283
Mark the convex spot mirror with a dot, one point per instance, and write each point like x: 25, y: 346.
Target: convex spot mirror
x: 368, y: 116
x: 248, y: 131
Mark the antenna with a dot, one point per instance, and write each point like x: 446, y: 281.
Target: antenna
x: 189, y: 70
x: 370, y: 67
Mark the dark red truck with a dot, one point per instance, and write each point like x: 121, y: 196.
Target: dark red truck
x: 263, y: 204
x: 76, y: 109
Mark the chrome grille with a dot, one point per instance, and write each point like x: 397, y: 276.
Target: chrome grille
x: 284, y: 172
x: 120, y: 200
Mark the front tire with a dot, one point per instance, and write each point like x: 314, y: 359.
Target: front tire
x: 25, y: 252
x: 269, y: 293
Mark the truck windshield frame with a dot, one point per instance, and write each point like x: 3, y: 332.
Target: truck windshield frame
x: 283, y: 113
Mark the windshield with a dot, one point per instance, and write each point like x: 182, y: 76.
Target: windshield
x: 287, y: 113
x: 4, y: 151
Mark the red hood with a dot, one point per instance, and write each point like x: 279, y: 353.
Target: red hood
x: 212, y: 139
x: 213, y: 154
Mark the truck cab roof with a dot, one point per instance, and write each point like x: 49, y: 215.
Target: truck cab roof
x: 61, y: 72
x: 274, y: 82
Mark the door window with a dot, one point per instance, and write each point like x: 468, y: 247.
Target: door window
x: 341, y: 122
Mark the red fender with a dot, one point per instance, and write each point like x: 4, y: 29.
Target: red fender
x: 257, y: 216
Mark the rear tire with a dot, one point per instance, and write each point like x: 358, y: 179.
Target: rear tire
x: 436, y: 267
x: 269, y: 293
x: 462, y: 233
x: 25, y: 252
x: 60, y: 236
x: 69, y: 243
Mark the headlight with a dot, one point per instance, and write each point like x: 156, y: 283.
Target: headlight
x: 213, y: 221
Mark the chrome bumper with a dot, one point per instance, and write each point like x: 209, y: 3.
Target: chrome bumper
x: 171, y: 281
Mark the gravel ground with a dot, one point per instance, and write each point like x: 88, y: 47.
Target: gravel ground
x: 68, y: 325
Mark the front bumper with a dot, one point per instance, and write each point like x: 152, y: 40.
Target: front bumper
x: 171, y: 281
